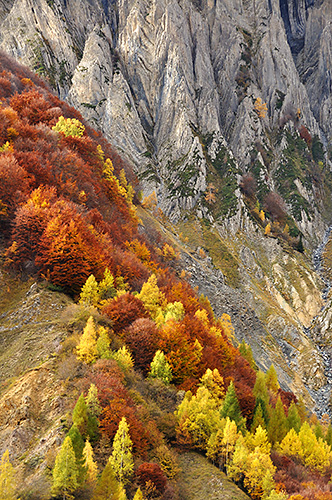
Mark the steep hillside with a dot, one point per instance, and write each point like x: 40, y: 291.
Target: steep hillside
x: 106, y: 347
x: 224, y: 110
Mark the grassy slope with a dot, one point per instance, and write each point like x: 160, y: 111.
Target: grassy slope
x: 30, y: 330
x: 200, y: 480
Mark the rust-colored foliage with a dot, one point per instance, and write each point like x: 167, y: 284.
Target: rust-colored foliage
x: 275, y: 205
x: 142, y: 339
x: 248, y: 185
x: 151, y: 474
x: 305, y: 135
x: 123, y: 311
x: 14, y: 182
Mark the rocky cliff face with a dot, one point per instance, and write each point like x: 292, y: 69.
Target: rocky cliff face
x: 176, y: 86
x: 171, y: 83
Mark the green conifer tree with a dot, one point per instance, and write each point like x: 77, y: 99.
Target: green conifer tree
x: 7, y: 478
x: 160, y: 368
x: 318, y: 431
x: 65, y: 471
x: 258, y: 418
x: 328, y: 437
x: 271, y: 379
x: 107, y: 487
x: 80, y: 415
x: 231, y: 408
x: 293, y: 418
x: 246, y: 351
x: 90, y: 292
x: 260, y: 389
x: 122, y: 458
x: 262, y: 396
x: 277, y: 428
x: 78, y: 446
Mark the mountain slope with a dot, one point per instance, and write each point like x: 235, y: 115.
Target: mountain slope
x: 176, y: 86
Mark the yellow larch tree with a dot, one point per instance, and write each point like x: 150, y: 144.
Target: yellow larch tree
x: 87, y: 348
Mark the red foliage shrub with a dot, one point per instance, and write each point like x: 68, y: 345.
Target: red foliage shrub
x: 14, y: 182
x: 274, y: 205
x: 305, y: 135
x: 30, y: 222
x: 182, y: 352
x: 142, y: 339
x: 123, y: 311
x: 5, y: 87
x: 31, y: 105
x: 286, y: 397
x: 109, y: 422
x: 148, y: 473
x: 248, y: 185
x: 69, y: 251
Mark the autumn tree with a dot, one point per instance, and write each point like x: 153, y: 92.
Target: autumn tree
x: 65, y: 471
x: 151, y: 478
x: 92, y: 401
x: 291, y: 444
x: 121, y: 458
x: 160, y: 368
x: 90, y: 292
x: 69, y: 127
x: 198, y: 418
x: 103, y: 344
x: 107, y: 487
x: 107, y: 286
x: 87, y: 347
x: 151, y: 296
x: 124, y: 358
x: 142, y: 340
x: 274, y: 205
x: 248, y: 185
x: 260, y: 107
x: 271, y: 379
x: 123, y: 311
x: 7, y: 478
x: 214, y: 382
x: 138, y: 495
x: 221, y: 445
x: 89, y: 464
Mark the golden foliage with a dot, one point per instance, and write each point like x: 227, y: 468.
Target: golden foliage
x: 260, y: 107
